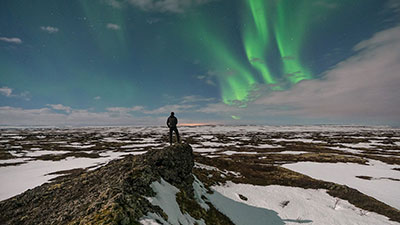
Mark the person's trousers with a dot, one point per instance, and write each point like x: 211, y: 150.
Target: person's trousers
x: 176, y: 132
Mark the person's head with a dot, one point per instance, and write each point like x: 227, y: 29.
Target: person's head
x: 172, y: 113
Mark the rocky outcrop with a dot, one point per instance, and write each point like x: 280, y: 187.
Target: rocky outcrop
x: 113, y: 194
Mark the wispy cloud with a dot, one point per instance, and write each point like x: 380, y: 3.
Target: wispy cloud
x: 13, y: 40
x: 394, y: 5
x: 195, y: 99
x: 60, y: 107
x: 170, y: 108
x: 125, y: 109
x: 171, y: 6
x: 112, y: 26
x: 97, y: 98
x: 8, y: 92
x: 361, y: 89
x: 114, y: 3
x: 208, y: 78
x: 153, y: 20
x: 365, y: 85
x: 47, y: 116
x: 49, y: 29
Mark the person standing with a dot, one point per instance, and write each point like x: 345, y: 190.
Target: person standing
x: 172, y: 121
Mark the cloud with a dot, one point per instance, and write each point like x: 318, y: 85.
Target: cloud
x: 48, y: 117
x: 185, y: 104
x: 195, y: 98
x: 209, y: 77
x: 170, y: 108
x: 11, y: 40
x: 125, y: 109
x: 49, y: 29
x: 6, y: 91
x: 394, y: 5
x: 171, y: 6
x: 112, y: 26
x: 97, y: 98
x: 114, y: 3
x: 365, y: 85
x: 219, y: 108
x: 362, y: 89
x: 60, y: 107
x: 153, y: 20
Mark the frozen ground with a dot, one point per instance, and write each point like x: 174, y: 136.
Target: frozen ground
x: 365, y: 158
x: 287, y: 205
x: 379, y: 179
x: 260, y: 205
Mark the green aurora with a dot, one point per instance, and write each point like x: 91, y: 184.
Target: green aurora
x: 265, y: 27
x: 212, y: 60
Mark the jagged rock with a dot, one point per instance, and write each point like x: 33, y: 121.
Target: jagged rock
x: 174, y: 164
x: 113, y: 194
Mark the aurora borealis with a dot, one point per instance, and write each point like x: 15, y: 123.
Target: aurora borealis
x: 213, y: 61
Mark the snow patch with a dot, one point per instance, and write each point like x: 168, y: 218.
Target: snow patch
x: 166, y: 200
x: 276, y: 204
x: 384, y: 190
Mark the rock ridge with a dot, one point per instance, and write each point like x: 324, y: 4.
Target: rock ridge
x: 113, y: 194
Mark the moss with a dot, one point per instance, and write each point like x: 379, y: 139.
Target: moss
x: 189, y: 205
x: 55, y: 186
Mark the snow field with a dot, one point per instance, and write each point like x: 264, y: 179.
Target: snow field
x: 288, y: 205
x: 385, y: 190
x: 166, y: 199
x: 17, y: 179
x: 265, y: 205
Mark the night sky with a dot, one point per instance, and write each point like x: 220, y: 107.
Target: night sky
x: 132, y: 62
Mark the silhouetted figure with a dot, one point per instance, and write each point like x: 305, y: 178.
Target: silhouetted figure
x: 171, y: 123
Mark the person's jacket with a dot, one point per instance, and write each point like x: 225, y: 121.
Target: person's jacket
x: 172, y: 121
